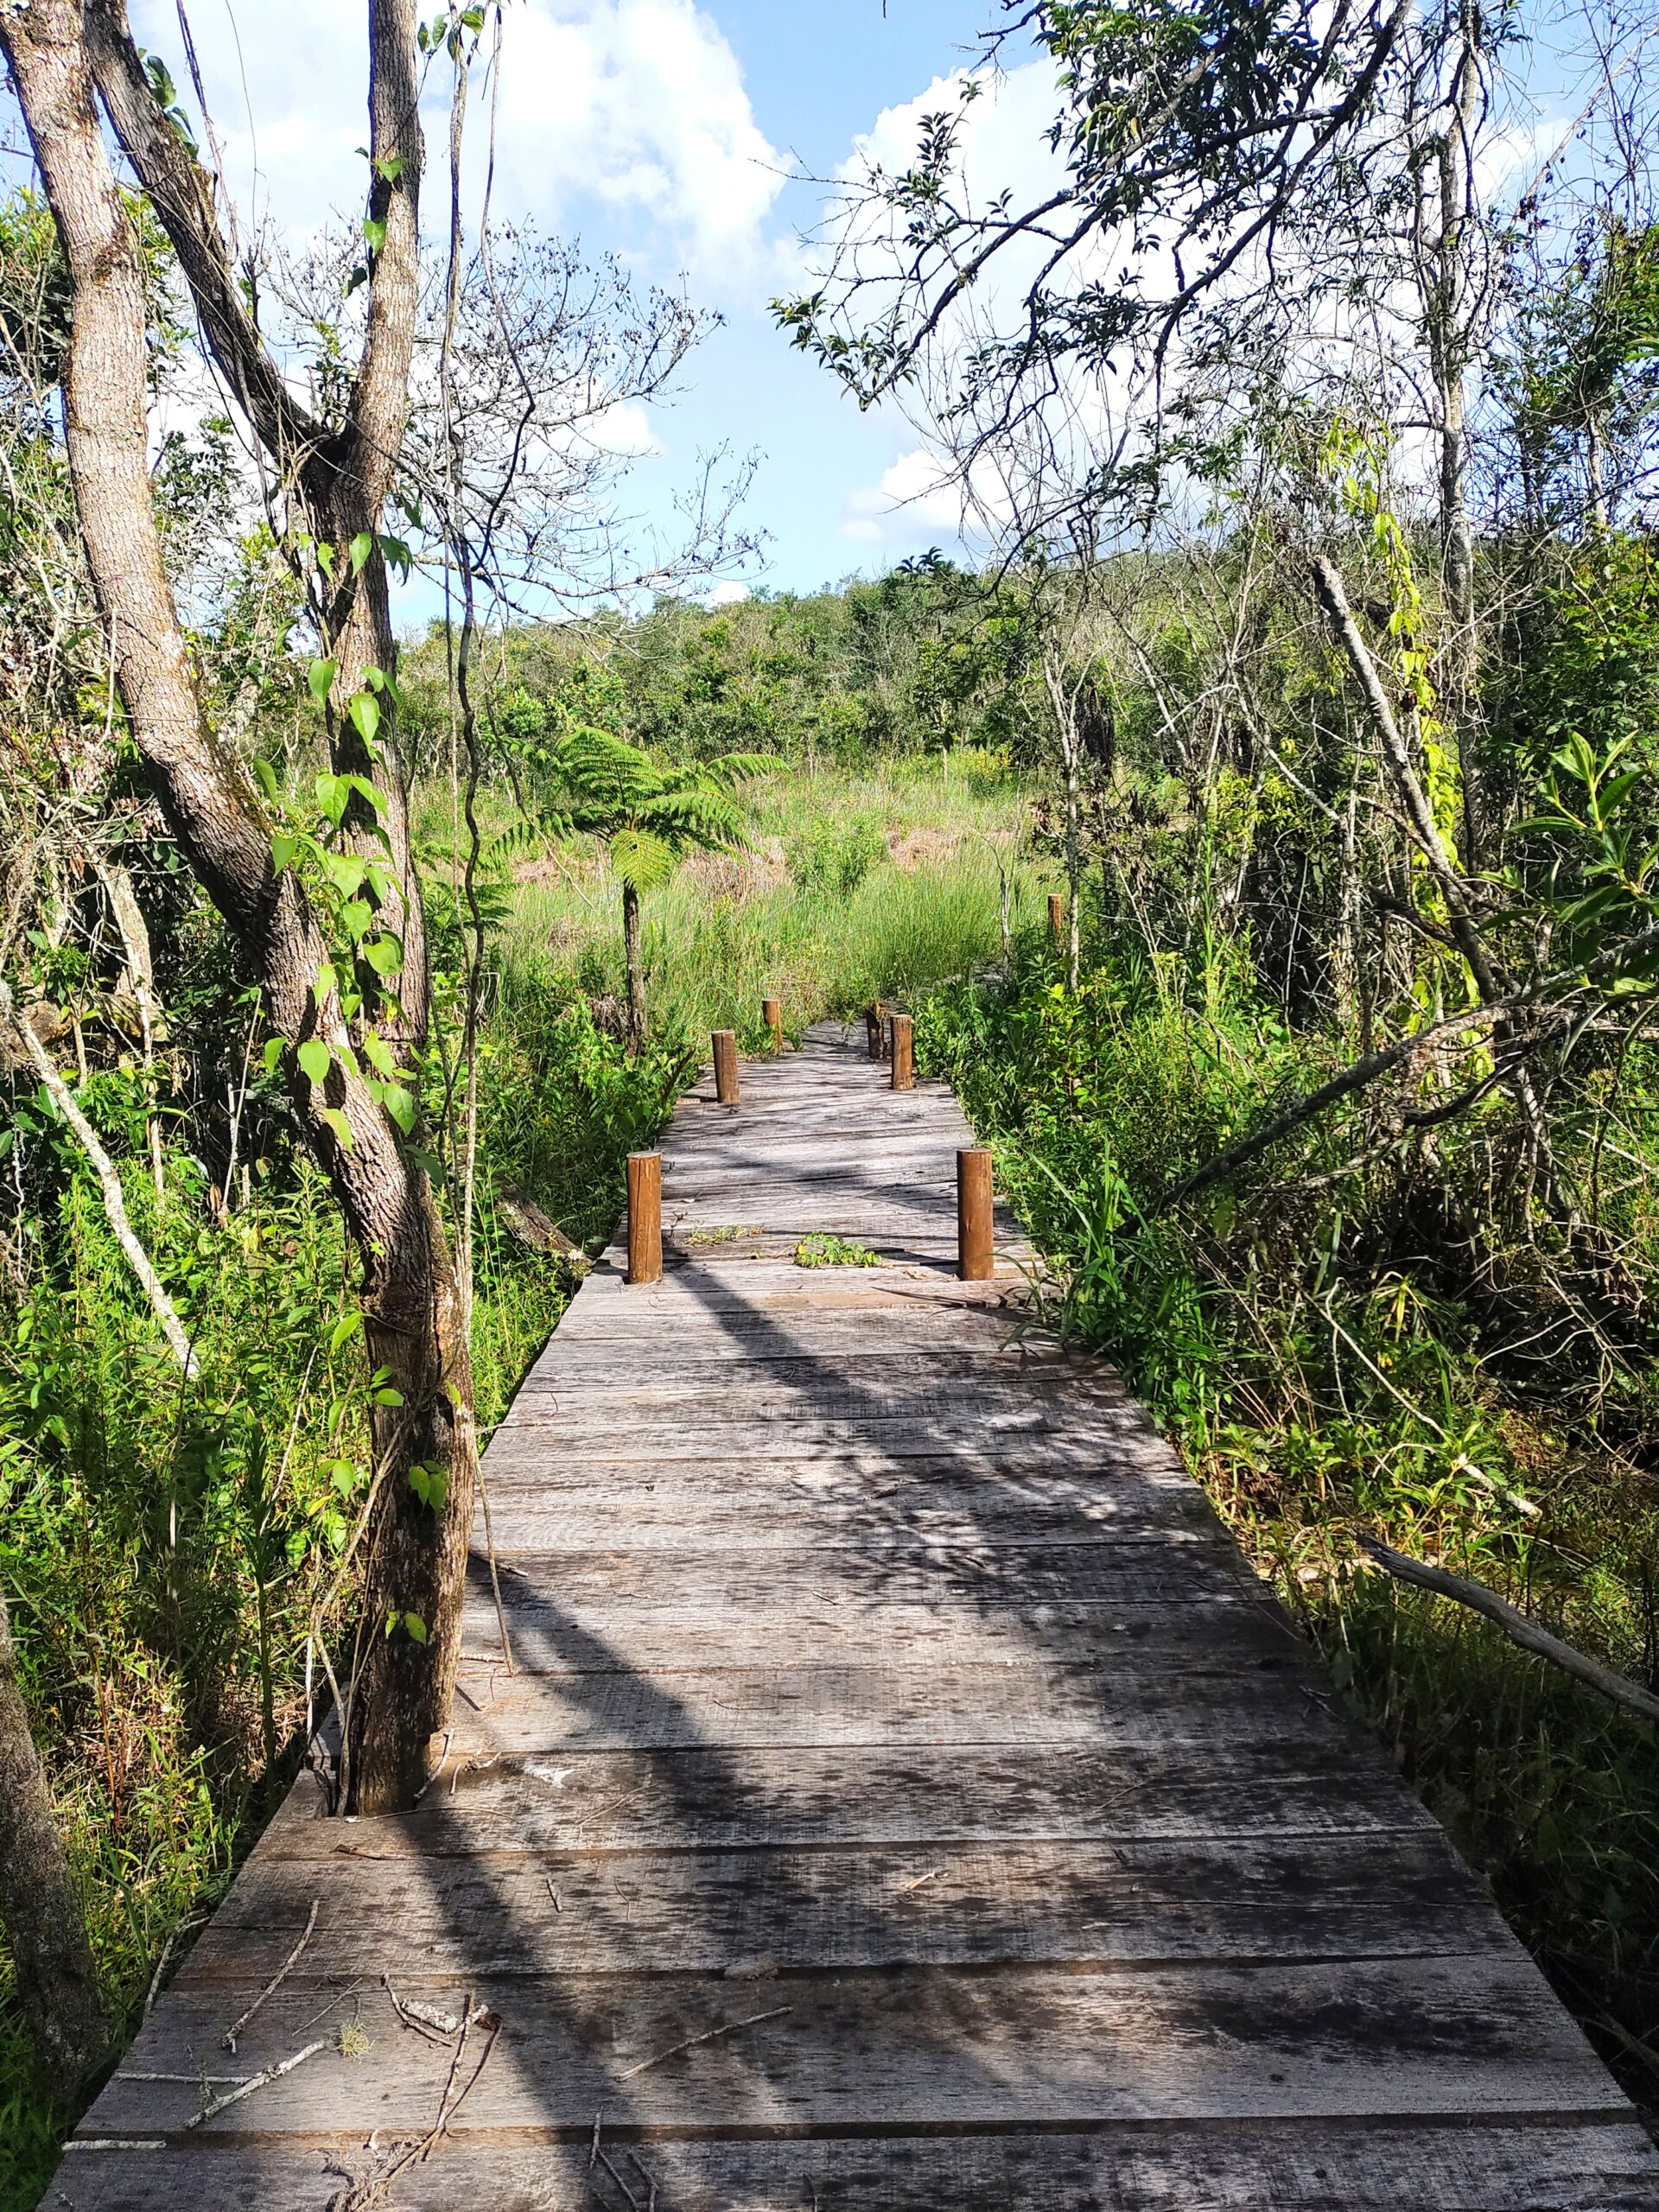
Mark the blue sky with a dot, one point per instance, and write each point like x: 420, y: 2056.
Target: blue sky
x: 665, y: 132
x: 671, y: 133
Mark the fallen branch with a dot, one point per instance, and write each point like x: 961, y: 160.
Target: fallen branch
x: 535, y: 1229
x: 1359, y: 1074
x: 114, y: 1204
x: 362, y: 2196
x: 228, y: 2040
x: 1515, y: 1624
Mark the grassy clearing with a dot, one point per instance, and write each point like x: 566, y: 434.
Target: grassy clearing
x: 858, y: 886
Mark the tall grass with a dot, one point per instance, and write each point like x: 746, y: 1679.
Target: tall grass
x: 856, y: 887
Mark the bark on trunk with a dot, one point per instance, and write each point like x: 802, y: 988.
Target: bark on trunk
x: 414, y: 1327
x: 339, y: 478
x: 40, y: 1911
x: 1065, y: 704
x: 1448, y: 329
x: 636, y: 966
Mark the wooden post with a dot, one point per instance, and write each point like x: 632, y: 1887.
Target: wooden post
x: 645, y: 1217
x: 904, y: 1053
x: 974, y: 1260
x: 726, y: 1088
x: 1056, y: 916
x: 771, y: 1012
x: 875, y: 1031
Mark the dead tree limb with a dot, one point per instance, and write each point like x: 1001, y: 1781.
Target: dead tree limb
x: 1515, y: 1624
x: 1359, y: 1074
x: 109, y: 1182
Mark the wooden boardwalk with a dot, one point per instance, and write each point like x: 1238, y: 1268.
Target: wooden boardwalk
x: 905, y: 1798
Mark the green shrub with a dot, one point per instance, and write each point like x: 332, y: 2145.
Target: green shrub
x: 831, y: 858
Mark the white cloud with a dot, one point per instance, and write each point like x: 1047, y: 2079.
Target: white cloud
x: 729, y: 594
x: 1001, y: 147
x: 918, y: 498
x: 638, y: 105
x: 914, y: 494
x: 625, y: 430
x: 1002, y: 141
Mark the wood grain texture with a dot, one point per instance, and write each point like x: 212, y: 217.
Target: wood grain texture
x: 1319, y: 2167
x: 904, y: 1796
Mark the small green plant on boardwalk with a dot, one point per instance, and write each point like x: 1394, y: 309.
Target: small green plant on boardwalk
x: 828, y: 1251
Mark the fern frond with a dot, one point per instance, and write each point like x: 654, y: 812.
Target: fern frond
x: 643, y: 862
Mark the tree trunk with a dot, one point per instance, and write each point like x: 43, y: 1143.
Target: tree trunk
x: 1448, y: 329
x: 340, y: 480
x: 417, y: 1543
x: 40, y: 1911
x: 1065, y: 704
x: 636, y: 966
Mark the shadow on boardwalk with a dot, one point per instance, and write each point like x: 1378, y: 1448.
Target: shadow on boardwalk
x: 914, y: 1803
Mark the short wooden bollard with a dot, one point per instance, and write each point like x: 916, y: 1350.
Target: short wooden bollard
x: 904, y: 1052
x: 975, y: 1261
x: 726, y: 1088
x: 875, y: 1029
x: 1056, y: 916
x: 771, y: 1012
x: 645, y: 1217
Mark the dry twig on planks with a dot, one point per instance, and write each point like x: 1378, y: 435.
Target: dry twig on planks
x: 363, y: 2196
x: 730, y: 2027
x: 228, y: 2040
x: 256, y: 2082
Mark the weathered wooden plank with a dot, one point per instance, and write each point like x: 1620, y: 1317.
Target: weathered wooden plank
x: 544, y: 1593
x: 755, y: 1518
x: 1476, y: 2034
x: 765, y: 1353
x: 717, y: 1284
x: 807, y: 1332
x: 1199, y: 1637
x: 834, y: 1386
x: 1198, y: 1781
x: 1316, y: 2166
x: 1039, y: 1701
x: 752, y: 1915
x: 551, y: 1632
x: 1067, y: 1442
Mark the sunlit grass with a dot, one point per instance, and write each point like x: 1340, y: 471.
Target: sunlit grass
x: 932, y: 854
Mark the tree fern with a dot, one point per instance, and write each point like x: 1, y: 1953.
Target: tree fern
x: 648, y: 814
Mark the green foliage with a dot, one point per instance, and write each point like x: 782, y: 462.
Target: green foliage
x: 828, y: 1251
x: 648, y: 813
x: 927, y: 658
x: 168, y: 1548
x: 1325, y: 1362
x: 833, y: 857
x: 728, y: 933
